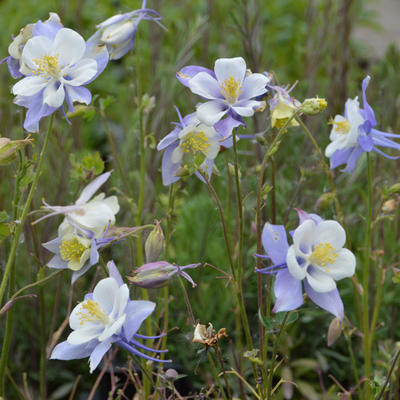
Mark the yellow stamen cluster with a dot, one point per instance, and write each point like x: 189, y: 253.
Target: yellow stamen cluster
x: 323, y: 254
x: 91, y: 312
x: 71, y: 250
x: 195, y: 141
x: 47, y: 66
x: 341, y: 126
x: 231, y: 89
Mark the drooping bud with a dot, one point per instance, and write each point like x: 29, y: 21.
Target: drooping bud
x: 157, y: 274
x: 334, y: 331
x: 9, y: 148
x: 282, y: 109
x: 313, y: 106
x: 154, y: 245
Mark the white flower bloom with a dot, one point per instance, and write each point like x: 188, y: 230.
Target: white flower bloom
x: 56, y: 67
x: 317, y: 254
x: 194, y: 138
x: 101, y: 315
x: 345, y: 129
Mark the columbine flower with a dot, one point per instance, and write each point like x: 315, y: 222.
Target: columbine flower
x: 118, y: 33
x: 94, y: 215
x: 76, y: 249
x: 9, y: 148
x: 354, y: 134
x: 190, y: 140
x: 283, y: 107
x: 230, y: 89
x: 106, y: 316
x: 157, y: 274
x: 316, y: 257
x: 55, y: 63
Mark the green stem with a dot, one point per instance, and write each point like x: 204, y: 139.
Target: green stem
x: 221, y: 361
x: 214, y: 369
x: 365, y: 283
x: 389, y: 375
x: 43, y: 360
x: 9, y: 269
x: 353, y: 364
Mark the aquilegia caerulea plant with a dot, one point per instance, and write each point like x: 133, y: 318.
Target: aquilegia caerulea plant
x: 354, y: 134
x: 316, y: 257
x: 106, y: 316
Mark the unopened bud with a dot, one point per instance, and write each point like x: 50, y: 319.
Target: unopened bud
x: 154, y: 245
x: 153, y: 275
x: 313, y: 106
x: 334, y: 331
x: 389, y: 206
x: 9, y: 148
x: 325, y: 200
x: 394, y: 189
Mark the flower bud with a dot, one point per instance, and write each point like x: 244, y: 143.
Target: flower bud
x: 153, y: 275
x: 282, y: 109
x: 313, y: 106
x: 325, y: 200
x: 8, y: 148
x: 334, y: 331
x: 154, y: 245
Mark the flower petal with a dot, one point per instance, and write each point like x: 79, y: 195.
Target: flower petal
x: 253, y: 85
x: 114, y: 273
x: 344, y: 266
x: 296, y: 270
x: 54, y: 94
x: 330, y: 232
x: 98, y: 353
x: 226, y: 68
x: 92, y: 188
x: 275, y: 242
x: 247, y: 108
x: 104, y: 293
x: 67, y: 351
x: 35, y: 48
x: 188, y: 72
x: 168, y: 168
x: 86, y: 334
x: 70, y: 46
x: 329, y: 301
x: 212, y: 111
x: 81, y: 73
x: 303, y: 237
x: 205, y: 86
x: 29, y: 86
x: 288, y: 292
x: 136, y: 312
x: 320, y: 281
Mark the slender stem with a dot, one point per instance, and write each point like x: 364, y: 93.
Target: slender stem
x: 10, y: 262
x: 214, y: 369
x: 377, y: 305
x: 389, y: 375
x: 353, y: 364
x: 24, y: 214
x: 43, y: 359
x: 221, y: 361
x: 187, y: 301
x: 365, y: 283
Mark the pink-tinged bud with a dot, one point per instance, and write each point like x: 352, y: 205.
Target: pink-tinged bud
x: 153, y: 275
x: 154, y: 245
x: 157, y: 274
x: 334, y: 331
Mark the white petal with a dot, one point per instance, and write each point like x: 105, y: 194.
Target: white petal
x: 112, y: 203
x: 253, y: 86
x: 230, y: 67
x: 29, y: 86
x: 344, y: 266
x: 70, y: 46
x: 54, y: 96
x: 303, y: 237
x: 213, y: 150
x: 247, y: 108
x: 120, y: 301
x: 320, y: 281
x: 330, y: 232
x: 206, y: 86
x: 104, y: 293
x: 81, y: 72
x: 35, y: 48
x: 113, y: 328
x: 92, y: 188
x: 85, y: 335
x: 297, y: 271
x: 176, y: 155
x: 211, y: 111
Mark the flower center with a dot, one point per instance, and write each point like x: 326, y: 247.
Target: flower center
x: 231, y: 89
x: 71, y: 250
x: 47, y: 66
x: 323, y: 254
x: 91, y: 312
x: 341, y: 126
x: 195, y: 141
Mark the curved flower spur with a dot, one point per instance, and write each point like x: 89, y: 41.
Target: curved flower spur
x: 316, y: 257
x: 107, y: 316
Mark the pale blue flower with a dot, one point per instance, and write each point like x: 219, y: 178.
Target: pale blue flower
x: 316, y: 257
x: 354, y: 134
x: 107, y: 316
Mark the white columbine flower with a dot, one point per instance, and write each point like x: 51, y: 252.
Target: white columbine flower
x: 57, y: 67
x: 317, y: 255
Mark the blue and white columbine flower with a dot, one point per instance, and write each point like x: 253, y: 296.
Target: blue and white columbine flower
x: 354, y: 134
x: 89, y: 214
x: 316, y: 257
x: 230, y: 89
x: 118, y: 33
x: 106, y: 316
x: 190, y: 136
x: 76, y: 249
x: 55, y: 63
